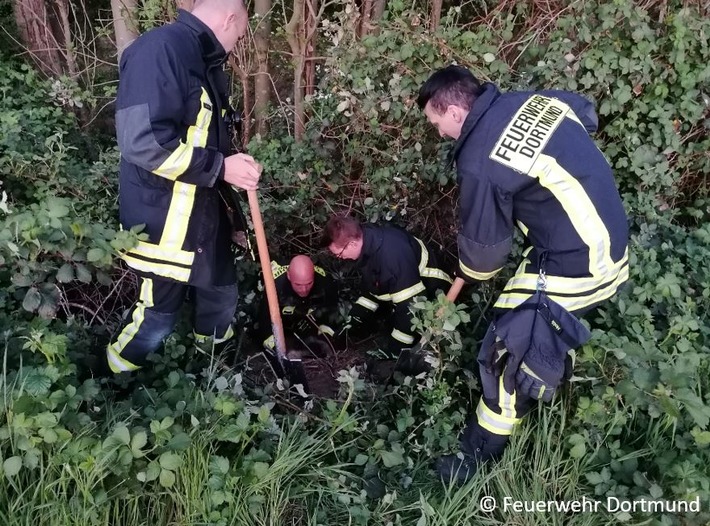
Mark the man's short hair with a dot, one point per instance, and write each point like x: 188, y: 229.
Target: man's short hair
x: 452, y: 85
x: 341, y: 229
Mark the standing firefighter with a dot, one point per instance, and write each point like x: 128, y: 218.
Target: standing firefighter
x: 395, y: 267
x: 171, y: 113
x: 526, y: 159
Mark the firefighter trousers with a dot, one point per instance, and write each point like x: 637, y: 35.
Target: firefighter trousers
x: 155, y: 314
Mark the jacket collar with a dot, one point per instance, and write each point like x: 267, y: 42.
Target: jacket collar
x: 371, y: 242
x: 212, y: 51
x: 484, y: 101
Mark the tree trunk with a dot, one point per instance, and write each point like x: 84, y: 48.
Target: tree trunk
x: 34, y: 24
x: 311, y: 25
x: 124, y: 23
x: 378, y: 9
x: 262, y: 81
x: 365, y: 16
x: 435, y: 15
x: 295, y: 35
x: 68, y: 48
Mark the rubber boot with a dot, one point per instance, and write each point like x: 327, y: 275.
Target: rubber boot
x: 478, y: 446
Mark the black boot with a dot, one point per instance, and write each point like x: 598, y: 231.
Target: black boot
x: 477, y: 446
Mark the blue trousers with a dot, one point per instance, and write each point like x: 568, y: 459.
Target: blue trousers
x: 156, y: 313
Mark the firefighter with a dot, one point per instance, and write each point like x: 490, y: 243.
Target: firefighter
x: 171, y: 123
x: 308, y: 299
x: 395, y: 267
x: 526, y: 159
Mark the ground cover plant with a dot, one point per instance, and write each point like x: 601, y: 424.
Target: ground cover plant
x: 206, y: 438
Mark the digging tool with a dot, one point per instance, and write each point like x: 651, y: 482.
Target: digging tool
x: 414, y: 359
x: 292, y: 369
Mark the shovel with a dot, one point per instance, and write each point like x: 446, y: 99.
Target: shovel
x: 414, y: 359
x: 291, y: 369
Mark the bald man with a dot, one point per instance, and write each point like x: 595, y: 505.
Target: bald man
x: 172, y: 112
x: 308, y: 300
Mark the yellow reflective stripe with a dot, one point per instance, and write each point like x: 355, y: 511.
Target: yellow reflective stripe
x: 229, y: 333
x: 524, y: 229
x: 114, y: 350
x: 402, y: 337
x: 324, y: 329
x: 579, y: 209
x: 288, y: 310
x: 436, y: 273
x: 409, y: 292
x: 159, y: 269
x: 197, y: 133
x: 478, y: 275
x: 278, y: 270
x: 493, y: 422
x: 508, y: 300
x: 561, y: 284
x: 506, y: 401
x: 181, y: 204
x: 368, y: 304
x: 424, y: 259
x: 270, y: 342
x: 167, y: 254
x: 201, y: 338
x: 318, y: 270
x: 176, y: 163
x: 383, y: 297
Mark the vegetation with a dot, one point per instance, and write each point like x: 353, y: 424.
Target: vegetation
x: 199, y: 438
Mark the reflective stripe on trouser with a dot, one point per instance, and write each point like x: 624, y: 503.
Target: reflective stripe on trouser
x: 151, y: 320
x: 154, y: 317
x: 499, y: 413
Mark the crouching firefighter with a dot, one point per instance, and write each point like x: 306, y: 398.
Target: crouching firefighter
x: 308, y: 298
x: 395, y: 267
x: 526, y: 159
x: 175, y: 148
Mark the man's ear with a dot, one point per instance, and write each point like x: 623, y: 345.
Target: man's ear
x: 456, y: 113
x: 231, y: 19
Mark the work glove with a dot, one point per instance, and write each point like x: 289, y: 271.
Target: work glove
x: 535, y: 374
x: 540, y: 374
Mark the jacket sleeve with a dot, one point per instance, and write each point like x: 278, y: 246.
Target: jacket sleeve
x: 582, y: 107
x: 486, y: 235
x: 151, y: 117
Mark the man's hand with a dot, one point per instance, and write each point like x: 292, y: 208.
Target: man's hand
x: 242, y: 171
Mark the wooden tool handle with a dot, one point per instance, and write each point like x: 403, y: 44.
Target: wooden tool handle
x: 271, y: 296
x: 453, y: 293
x: 455, y: 289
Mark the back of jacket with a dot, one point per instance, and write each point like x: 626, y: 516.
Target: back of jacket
x: 171, y: 103
x: 526, y: 159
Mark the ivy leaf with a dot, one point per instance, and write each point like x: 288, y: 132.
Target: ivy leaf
x: 152, y: 472
x: 167, y: 478
x: 32, y: 300
x: 21, y: 280
x: 37, y: 384
x: 82, y: 273
x: 12, y: 466
x: 220, y: 464
x: 95, y: 254
x: 179, y: 442
x: 260, y: 469
x: 57, y: 208
x: 170, y: 461
x: 392, y: 458
x: 138, y: 442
